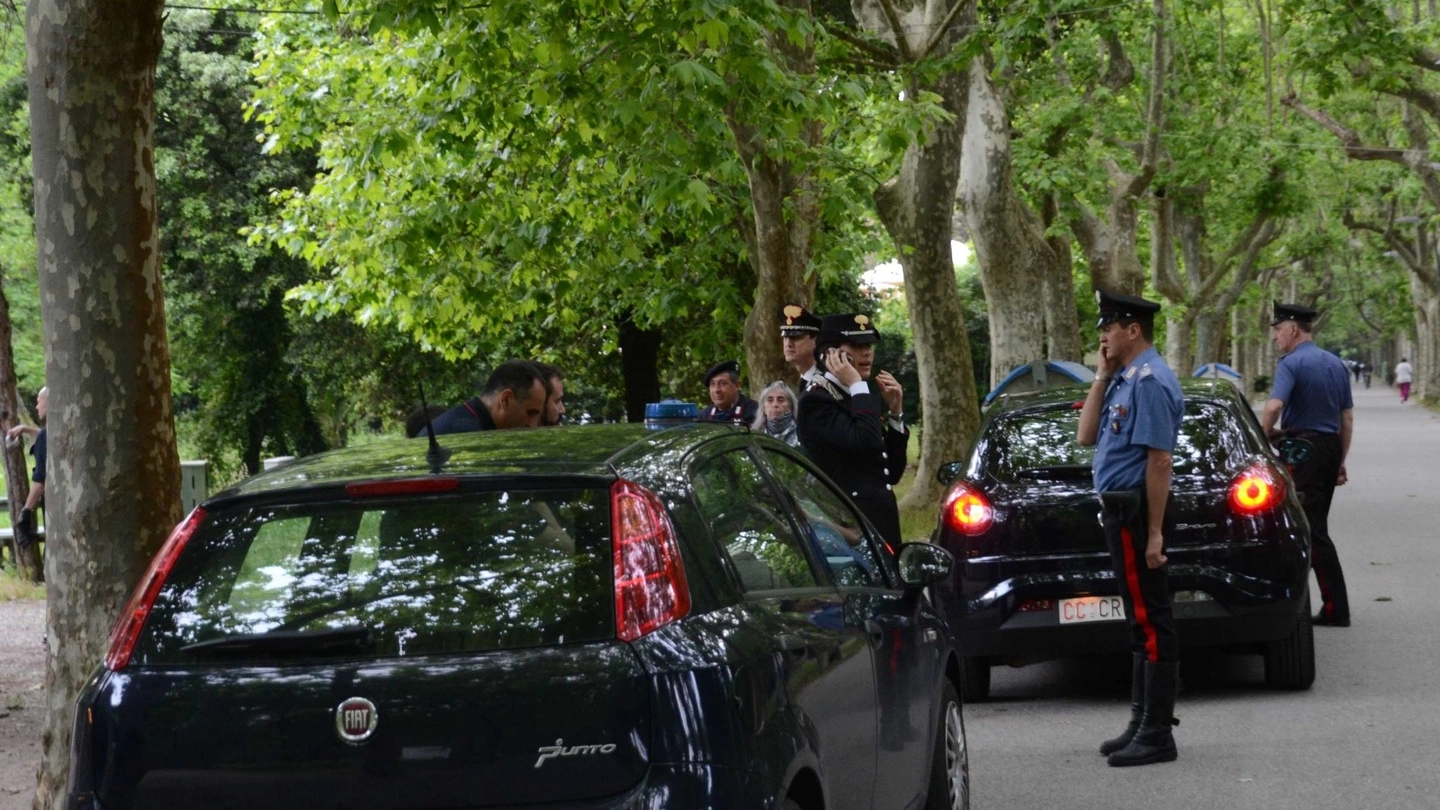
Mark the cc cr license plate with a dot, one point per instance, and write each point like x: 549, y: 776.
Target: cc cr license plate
x: 1092, y: 609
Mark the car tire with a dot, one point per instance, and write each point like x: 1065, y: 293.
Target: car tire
x: 950, y: 767
x: 974, y: 679
x: 791, y: 804
x: 1290, y: 661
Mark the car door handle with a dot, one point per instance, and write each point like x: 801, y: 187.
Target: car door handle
x: 876, y: 631
x: 791, y: 644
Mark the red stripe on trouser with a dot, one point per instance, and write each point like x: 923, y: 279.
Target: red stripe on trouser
x: 1132, y: 581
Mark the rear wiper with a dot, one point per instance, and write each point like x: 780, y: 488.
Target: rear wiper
x: 337, y: 641
x: 1057, y: 472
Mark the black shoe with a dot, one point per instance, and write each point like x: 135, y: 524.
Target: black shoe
x: 1153, y: 742
x: 1137, y: 707
x: 1321, y: 620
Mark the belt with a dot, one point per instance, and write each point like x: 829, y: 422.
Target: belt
x: 1119, y: 500
x: 1309, y: 434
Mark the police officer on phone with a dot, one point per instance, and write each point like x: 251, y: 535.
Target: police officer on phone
x: 1311, y: 398
x: 856, y: 436
x: 1132, y: 416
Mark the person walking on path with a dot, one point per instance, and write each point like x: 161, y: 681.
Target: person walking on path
x: 1311, y: 399
x: 1403, y: 373
x: 1132, y: 417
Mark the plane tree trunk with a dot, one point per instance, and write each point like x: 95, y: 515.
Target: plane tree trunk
x: 113, y: 487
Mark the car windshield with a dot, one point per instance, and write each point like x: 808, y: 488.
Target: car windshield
x: 471, y: 572
x: 1040, y: 445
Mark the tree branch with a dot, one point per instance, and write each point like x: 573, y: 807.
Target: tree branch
x: 1349, y: 138
x: 880, y: 51
x: 893, y: 18
x: 937, y: 38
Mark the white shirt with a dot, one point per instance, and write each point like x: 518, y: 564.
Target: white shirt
x: 1402, y: 372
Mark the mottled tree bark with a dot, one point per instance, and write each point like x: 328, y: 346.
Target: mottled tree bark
x: 786, y: 213
x: 1010, y: 243
x: 114, y: 475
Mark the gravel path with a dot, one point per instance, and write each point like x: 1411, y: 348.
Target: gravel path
x: 22, y: 675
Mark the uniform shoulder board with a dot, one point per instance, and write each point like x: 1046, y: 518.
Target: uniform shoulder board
x: 819, y: 383
x: 1129, y: 373
x: 1145, y: 371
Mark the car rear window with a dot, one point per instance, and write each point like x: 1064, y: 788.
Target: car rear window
x: 1040, y: 445
x: 470, y: 572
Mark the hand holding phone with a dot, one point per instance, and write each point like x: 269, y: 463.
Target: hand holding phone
x: 838, y: 363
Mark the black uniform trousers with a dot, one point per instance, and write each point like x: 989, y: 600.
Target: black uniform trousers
x: 1144, y: 590
x: 1315, y: 481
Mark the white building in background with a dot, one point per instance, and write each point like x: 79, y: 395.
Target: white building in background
x: 888, y: 277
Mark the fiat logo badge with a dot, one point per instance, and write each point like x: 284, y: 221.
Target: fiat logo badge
x: 355, y: 720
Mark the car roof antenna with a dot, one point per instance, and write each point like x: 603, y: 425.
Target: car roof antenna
x: 435, y: 456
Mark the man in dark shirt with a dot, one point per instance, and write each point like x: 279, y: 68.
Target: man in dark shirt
x: 513, y: 397
x: 1311, y: 398
x: 727, y: 404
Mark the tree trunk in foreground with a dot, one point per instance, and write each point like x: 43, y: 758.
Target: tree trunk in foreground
x: 916, y: 208
x: 114, y: 475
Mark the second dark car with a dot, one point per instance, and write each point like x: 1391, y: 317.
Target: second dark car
x: 1033, y: 578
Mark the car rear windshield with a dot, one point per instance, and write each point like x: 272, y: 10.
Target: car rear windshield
x: 467, y: 572
x: 1040, y: 445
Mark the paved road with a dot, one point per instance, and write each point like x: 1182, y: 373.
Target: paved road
x: 1367, y: 735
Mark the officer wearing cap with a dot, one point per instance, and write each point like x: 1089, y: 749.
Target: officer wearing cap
x: 1311, y: 398
x: 799, y: 329
x: 1132, y: 416
x: 856, y: 436
x: 727, y: 404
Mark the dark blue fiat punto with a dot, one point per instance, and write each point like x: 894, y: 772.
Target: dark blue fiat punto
x: 600, y: 617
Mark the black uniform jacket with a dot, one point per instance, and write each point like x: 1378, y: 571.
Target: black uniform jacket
x: 849, y: 438
x: 741, y: 413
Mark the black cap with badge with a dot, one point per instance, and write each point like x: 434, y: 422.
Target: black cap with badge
x: 1292, y: 312
x: 852, y: 327
x: 797, y: 321
x: 723, y: 367
x: 1115, y: 307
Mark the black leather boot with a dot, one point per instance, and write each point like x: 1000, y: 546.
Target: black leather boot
x: 1153, y: 741
x: 1137, y: 706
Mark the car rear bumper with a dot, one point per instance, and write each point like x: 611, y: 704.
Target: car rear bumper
x: 1240, y: 611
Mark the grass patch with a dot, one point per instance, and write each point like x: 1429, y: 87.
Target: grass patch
x: 13, y: 588
x: 917, y: 523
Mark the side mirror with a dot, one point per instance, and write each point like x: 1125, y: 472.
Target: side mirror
x: 923, y: 564
x: 1294, y: 450
x: 949, y: 472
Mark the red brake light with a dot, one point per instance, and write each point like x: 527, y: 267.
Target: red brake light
x: 1257, y: 489
x: 967, y: 510
x: 407, y: 486
x: 650, y: 587
x: 132, y: 619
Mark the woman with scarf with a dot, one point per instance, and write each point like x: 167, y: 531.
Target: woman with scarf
x: 777, y: 413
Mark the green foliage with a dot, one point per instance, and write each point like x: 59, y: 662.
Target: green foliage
x: 548, y: 170
x: 17, y: 226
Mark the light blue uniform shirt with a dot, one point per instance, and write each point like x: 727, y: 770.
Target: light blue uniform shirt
x: 1315, y: 388
x: 1143, y: 406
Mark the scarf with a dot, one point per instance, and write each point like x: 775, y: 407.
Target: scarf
x: 783, y: 428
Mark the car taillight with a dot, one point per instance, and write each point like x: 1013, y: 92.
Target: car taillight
x: 1257, y: 489
x: 967, y: 510
x: 132, y: 619
x: 650, y: 587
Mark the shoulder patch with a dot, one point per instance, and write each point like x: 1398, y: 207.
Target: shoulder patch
x: 1129, y: 373
x: 819, y: 383
x: 1146, y: 371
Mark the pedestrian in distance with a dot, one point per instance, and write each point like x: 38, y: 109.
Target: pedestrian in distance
x: 799, y: 329
x: 1132, y: 418
x: 856, y: 436
x: 1356, y: 366
x: 777, y: 413
x: 1403, y: 373
x: 34, y: 499
x: 1311, y: 399
x: 727, y: 402
x: 513, y: 397
x: 1365, y: 371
